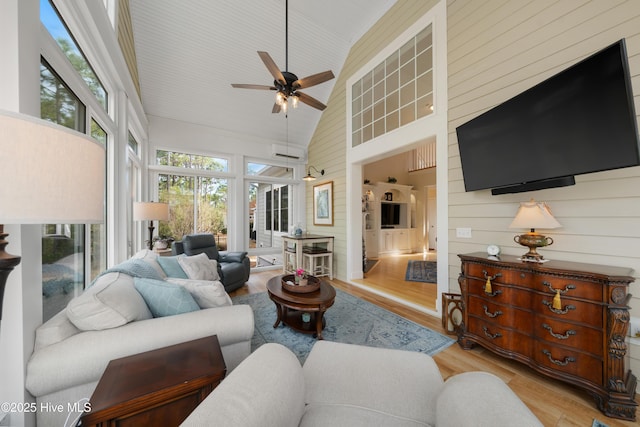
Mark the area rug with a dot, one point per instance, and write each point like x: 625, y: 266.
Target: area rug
x: 350, y: 320
x: 421, y: 271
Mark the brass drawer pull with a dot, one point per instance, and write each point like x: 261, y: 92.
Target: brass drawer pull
x: 558, y: 311
x: 564, y: 362
x: 487, y: 285
x: 490, y: 335
x: 486, y: 311
x: 569, y: 333
x: 494, y: 277
x: 494, y: 293
x: 562, y: 291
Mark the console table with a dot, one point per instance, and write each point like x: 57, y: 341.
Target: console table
x: 566, y: 320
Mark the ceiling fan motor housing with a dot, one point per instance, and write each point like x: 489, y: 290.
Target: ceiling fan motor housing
x: 287, y: 89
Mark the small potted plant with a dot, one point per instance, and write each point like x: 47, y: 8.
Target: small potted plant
x: 162, y: 242
x: 301, y: 277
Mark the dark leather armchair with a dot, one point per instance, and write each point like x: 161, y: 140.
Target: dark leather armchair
x: 233, y: 267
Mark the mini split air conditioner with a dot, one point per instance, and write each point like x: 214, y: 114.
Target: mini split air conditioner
x: 289, y: 152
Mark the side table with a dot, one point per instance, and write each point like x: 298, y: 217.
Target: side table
x: 157, y: 387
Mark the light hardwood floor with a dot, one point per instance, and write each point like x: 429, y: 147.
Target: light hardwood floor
x: 553, y: 402
x: 388, y: 277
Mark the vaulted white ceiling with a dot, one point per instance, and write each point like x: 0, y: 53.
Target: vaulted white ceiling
x: 190, y: 52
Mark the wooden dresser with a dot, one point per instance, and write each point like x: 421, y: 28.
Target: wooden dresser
x: 566, y: 320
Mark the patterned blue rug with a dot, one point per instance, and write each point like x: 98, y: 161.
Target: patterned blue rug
x: 421, y: 271
x: 350, y: 320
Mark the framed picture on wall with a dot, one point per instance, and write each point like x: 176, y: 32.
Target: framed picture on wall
x: 323, y: 204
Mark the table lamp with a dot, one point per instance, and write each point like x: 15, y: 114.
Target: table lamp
x: 150, y: 211
x: 533, y: 215
x: 49, y: 174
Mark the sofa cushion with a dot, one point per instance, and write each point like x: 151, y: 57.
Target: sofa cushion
x: 352, y: 416
x: 371, y: 378
x: 150, y: 258
x: 482, y: 393
x: 171, y: 266
x: 164, y: 298
x: 110, y: 302
x: 266, y: 390
x: 200, y: 267
x: 207, y: 294
x: 54, y: 330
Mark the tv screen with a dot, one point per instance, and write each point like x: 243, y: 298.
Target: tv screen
x: 389, y: 214
x: 579, y: 121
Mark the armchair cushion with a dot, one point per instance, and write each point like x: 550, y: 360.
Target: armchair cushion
x: 195, y: 244
x: 232, y: 256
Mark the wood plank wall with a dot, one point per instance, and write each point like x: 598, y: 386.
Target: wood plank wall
x: 497, y: 49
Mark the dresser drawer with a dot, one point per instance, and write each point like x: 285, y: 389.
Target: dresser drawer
x: 568, y: 361
x: 572, y: 310
x: 496, y: 274
x: 568, y: 287
x: 500, y: 293
x: 507, y: 339
x: 501, y: 314
x: 569, y: 334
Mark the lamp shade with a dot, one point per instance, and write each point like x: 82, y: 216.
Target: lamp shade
x: 533, y: 215
x: 150, y: 211
x: 48, y: 173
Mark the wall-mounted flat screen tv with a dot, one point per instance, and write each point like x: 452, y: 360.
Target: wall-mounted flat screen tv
x: 579, y: 121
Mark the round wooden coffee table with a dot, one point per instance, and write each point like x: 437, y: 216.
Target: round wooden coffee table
x: 291, y: 306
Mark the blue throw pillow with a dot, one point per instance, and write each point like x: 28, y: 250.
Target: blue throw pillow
x: 164, y: 298
x: 171, y: 266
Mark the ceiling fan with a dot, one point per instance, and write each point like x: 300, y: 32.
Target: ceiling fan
x: 286, y: 84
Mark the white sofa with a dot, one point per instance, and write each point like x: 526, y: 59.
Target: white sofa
x: 111, y: 320
x: 350, y: 385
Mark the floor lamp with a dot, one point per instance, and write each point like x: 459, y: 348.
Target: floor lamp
x: 49, y: 175
x: 150, y: 211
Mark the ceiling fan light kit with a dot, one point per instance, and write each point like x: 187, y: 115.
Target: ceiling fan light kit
x: 286, y: 84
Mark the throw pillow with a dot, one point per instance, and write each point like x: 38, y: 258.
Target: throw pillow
x: 151, y: 258
x: 112, y: 301
x: 200, y: 267
x: 54, y: 330
x: 171, y: 266
x: 164, y: 298
x: 206, y: 293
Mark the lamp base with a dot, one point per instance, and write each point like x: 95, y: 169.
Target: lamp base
x: 7, y: 263
x: 533, y: 241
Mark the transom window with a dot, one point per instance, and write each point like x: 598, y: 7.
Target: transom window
x: 191, y: 161
x: 396, y: 92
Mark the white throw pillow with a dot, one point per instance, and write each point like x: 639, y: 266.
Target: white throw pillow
x: 112, y: 301
x: 54, y: 330
x: 150, y: 258
x: 208, y: 294
x: 200, y: 267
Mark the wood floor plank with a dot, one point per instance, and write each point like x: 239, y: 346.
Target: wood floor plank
x: 553, y: 402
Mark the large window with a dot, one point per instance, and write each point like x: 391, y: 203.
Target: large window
x: 396, y: 92
x: 58, y: 30
x: 198, y: 200
x: 72, y: 254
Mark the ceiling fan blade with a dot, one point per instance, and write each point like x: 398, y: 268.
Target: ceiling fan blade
x: 276, y: 108
x: 272, y: 67
x: 311, y: 101
x: 313, y: 80
x: 243, y: 86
